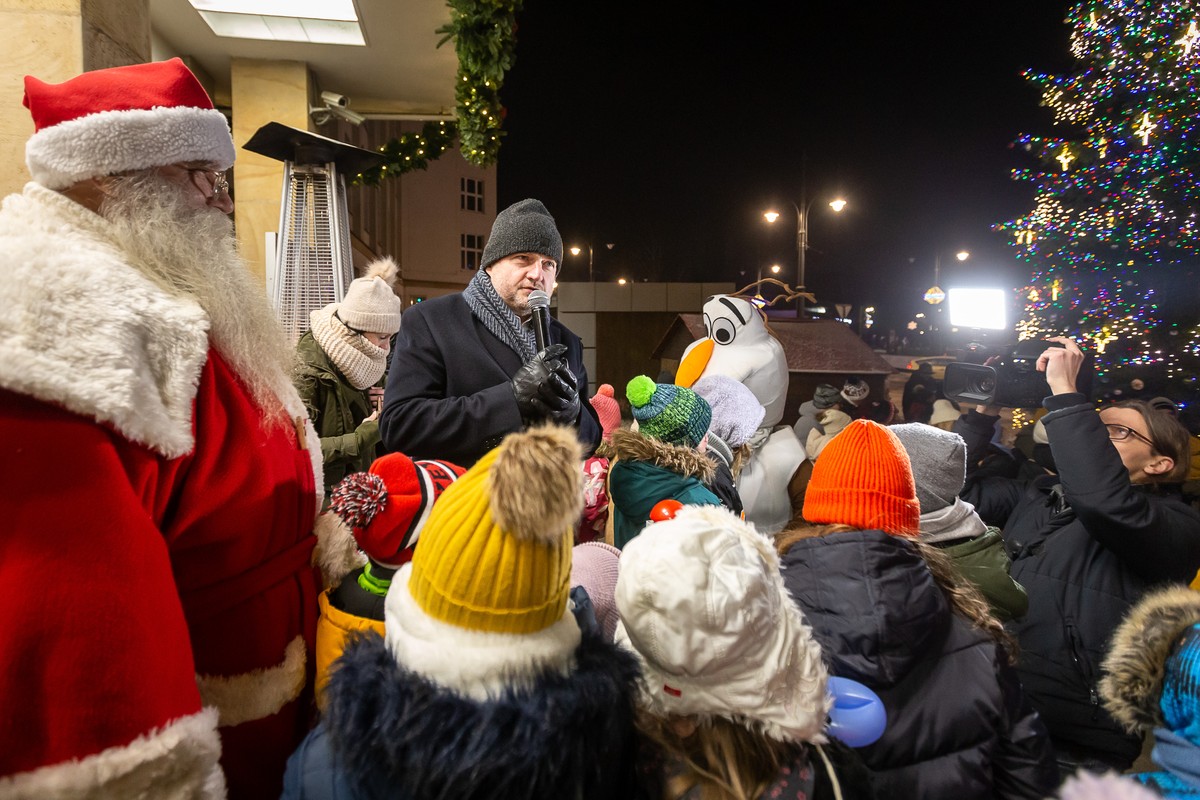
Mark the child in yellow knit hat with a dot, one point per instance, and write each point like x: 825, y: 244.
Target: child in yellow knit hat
x: 484, y: 683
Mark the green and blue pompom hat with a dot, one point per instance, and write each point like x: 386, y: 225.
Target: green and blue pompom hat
x: 669, y: 413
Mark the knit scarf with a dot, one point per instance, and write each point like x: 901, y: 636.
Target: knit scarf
x: 956, y: 521
x: 361, y: 362
x: 497, y: 317
x: 1181, y: 759
x: 720, y: 448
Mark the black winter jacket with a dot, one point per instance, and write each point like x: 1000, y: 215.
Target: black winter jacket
x: 390, y: 733
x: 958, y: 725
x: 448, y: 393
x: 1085, y: 544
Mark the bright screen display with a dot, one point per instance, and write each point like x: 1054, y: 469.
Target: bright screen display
x: 977, y: 308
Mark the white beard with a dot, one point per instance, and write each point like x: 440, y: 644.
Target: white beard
x: 193, y: 253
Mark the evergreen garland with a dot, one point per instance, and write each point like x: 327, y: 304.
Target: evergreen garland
x: 484, y: 34
x: 410, y: 151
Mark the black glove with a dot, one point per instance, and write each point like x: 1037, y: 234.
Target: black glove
x: 543, y: 391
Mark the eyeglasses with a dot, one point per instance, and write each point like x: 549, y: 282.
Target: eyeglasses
x: 1119, y: 433
x: 214, y: 180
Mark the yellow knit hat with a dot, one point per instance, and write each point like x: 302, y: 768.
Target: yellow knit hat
x: 495, y: 555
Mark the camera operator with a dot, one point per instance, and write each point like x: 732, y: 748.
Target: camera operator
x: 1086, y: 544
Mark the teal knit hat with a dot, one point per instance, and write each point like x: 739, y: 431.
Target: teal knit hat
x: 667, y: 412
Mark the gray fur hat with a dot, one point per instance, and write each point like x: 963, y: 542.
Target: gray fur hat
x: 939, y: 463
x: 523, y: 227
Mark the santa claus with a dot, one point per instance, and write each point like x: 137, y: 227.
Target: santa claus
x: 157, y: 467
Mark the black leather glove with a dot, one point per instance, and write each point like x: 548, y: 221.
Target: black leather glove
x: 564, y: 398
x: 539, y: 387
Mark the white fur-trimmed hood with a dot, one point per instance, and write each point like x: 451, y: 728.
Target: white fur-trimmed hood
x: 84, y: 330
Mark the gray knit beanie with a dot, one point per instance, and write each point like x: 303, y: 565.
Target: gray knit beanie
x: 939, y: 463
x: 826, y: 396
x: 524, y: 227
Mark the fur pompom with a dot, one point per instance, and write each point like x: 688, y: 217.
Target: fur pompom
x: 1133, y: 680
x: 1084, y: 785
x: 383, y: 268
x: 536, y: 483
x: 358, y: 497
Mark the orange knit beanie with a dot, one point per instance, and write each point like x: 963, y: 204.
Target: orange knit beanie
x: 863, y: 478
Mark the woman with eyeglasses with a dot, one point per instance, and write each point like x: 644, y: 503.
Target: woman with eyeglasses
x: 1086, y: 543
x: 342, y: 361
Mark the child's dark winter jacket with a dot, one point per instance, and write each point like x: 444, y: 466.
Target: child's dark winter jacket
x: 958, y: 723
x: 389, y: 733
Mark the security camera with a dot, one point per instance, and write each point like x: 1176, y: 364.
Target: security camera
x: 353, y: 117
x: 335, y: 100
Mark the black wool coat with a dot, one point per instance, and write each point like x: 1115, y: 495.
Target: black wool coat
x: 448, y: 393
x: 1086, y: 544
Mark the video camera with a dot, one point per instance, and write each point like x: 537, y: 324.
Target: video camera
x: 1011, y: 379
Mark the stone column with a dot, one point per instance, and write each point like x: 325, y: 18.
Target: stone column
x: 262, y: 92
x: 55, y: 40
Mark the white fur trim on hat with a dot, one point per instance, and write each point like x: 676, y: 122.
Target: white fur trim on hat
x: 477, y: 664
x: 704, y: 607
x: 176, y: 760
x: 110, y: 142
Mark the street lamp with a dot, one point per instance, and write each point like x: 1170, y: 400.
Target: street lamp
x: 576, y: 250
x: 936, y: 295
x: 802, y: 211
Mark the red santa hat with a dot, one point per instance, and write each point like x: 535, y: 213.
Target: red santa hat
x: 387, y: 507
x: 125, y: 118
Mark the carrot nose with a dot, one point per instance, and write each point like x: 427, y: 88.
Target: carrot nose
x: 693, y: 364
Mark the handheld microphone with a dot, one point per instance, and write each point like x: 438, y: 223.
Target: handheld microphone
x: 539, y: 304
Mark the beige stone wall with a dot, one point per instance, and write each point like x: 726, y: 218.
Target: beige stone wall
x: 56, y: 40
x: 262, y: 92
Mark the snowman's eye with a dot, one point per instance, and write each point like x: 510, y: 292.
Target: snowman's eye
x: 723, y: 331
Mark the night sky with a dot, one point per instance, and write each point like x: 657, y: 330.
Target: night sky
x: 667, y: 129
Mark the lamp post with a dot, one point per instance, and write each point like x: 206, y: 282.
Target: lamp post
x: 935, y: 295
x: 802, y: 212
x: 576, y: 250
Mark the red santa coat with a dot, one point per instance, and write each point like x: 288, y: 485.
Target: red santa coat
x: 156, y: 571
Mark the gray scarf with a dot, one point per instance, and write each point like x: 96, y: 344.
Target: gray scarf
x: 497, y: 317
x: 956, y: 521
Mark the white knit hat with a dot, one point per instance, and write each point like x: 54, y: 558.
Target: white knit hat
x: 125, y: 118
x: 371, y: 305
x: 704, y: 607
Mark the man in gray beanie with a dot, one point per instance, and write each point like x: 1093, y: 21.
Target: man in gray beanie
x: 466, y: 370
x: 939, y: 467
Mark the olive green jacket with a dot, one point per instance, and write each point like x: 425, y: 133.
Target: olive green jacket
x: 338, y: 410
x: 984, y: 562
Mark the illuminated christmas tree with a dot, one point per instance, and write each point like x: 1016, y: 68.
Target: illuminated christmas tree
x: 1113, y: 237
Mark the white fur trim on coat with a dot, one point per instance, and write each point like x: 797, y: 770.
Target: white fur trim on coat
x: 336, y: 553
x: 136, y: 366
x: 175, y: 762
x: 477, y: 664
x: 257, y: 694
x: 109, y: 142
